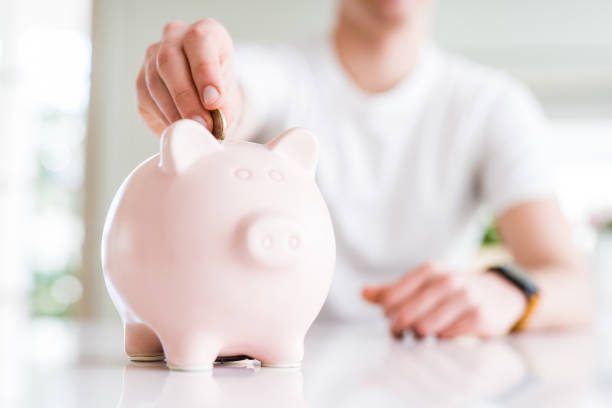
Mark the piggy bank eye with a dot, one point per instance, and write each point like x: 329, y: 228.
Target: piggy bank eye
x: 294, y: 242
x: 276, y: 175
x: 242, y: 174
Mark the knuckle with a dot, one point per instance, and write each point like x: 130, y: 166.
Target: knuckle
x: 387, y: 302
x: 204, y: 66
x: 172, y: 27
x: 151, y: 49
x: 426, y: 269
x: 207, y: 21
x: 150, y: 66
x: 152, y: 79
x: 198, y: 33
x: 140, y: 82
x: 445, y: 280
x: 165, y: 57
x: 221, y: 34
x: 388, y: 299
x: 183, y: 97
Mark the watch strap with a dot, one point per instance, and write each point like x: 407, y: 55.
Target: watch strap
x: 521, y: 281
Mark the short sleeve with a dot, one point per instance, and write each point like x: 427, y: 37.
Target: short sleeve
x: 515, y: 166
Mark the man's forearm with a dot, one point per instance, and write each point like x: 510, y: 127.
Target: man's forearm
x: 540, y: 240
x: 566, y: 297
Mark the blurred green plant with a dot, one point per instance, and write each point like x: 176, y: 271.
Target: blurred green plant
x: 57, y: 222
x: 491, y: 236
x: 55, y: 294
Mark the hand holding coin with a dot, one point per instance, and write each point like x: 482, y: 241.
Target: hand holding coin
x: 189, y: 74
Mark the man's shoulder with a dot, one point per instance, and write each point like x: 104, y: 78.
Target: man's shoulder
x: 471, y: 79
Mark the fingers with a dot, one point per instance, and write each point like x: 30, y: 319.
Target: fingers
x: 157, y: 89
x: 432, y: 301
x: 173, y: 68
x: 154, y: 118
x: 147, y: 108
x: 420, y: 303
x: 394, y: 296
x: 466, y: 324
x: 187, y: 74
x: 202, y: 45
x: 443, y: 314
x: 370, y: 293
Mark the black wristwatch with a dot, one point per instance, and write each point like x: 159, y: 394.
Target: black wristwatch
x: 521, y: 281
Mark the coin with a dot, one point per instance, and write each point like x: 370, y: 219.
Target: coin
x: 218, y: 124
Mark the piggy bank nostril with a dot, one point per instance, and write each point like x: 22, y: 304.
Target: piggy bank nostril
x: 276, y: 175
x: 272, y: 240
x: 294, y: 242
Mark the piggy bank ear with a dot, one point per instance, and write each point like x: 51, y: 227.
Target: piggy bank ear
x: 298, y: 144
x: 183, y: 143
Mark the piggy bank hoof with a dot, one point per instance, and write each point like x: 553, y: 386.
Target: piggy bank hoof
x: 205, y: 367
x: 146, y: 357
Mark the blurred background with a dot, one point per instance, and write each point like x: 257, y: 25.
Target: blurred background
x: 70, y: 132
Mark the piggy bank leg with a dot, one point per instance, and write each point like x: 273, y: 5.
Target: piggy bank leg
x: 286, y: 354
x: 141, y: 343
x: 188, y: 351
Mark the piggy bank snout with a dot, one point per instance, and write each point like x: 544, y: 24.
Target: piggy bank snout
x: 273, y: 240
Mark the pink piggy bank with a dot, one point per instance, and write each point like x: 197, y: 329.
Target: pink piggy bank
x: 219, y: 249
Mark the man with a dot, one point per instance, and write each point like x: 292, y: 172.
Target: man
x: 413, y: 142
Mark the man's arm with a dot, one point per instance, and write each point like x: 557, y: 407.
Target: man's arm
x: 433, y: 300
x: 538, y: 236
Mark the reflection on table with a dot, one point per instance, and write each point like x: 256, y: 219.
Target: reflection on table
x: 344, y: 366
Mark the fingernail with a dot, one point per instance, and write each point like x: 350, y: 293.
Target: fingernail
x: 200, y: 120
x: 210, y: 94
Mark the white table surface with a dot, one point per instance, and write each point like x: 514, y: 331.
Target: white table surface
x: 69, y: 365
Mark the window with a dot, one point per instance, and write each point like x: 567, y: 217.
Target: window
x: 44, y: 91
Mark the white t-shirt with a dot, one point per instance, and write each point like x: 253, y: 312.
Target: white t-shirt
x: 405, y: 173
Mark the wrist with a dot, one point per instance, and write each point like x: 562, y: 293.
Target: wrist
x: 510, y: 300
x: 513, y: 277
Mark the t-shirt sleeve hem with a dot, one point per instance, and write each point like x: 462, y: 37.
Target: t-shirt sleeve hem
x: 504, y: 203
